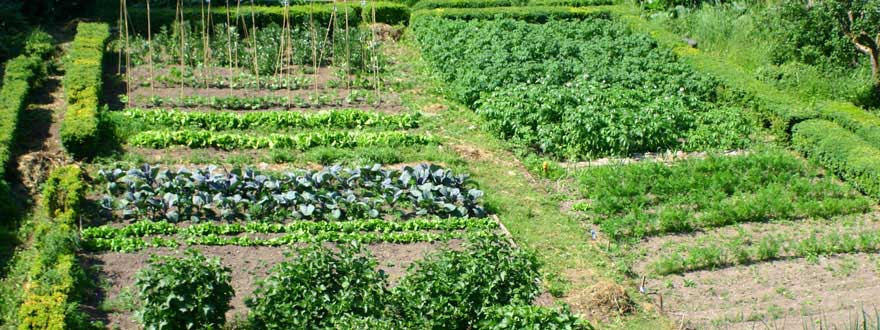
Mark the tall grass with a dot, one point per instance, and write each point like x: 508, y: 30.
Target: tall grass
x: 738, y: 33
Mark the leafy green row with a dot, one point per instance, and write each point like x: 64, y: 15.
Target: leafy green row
x: 240, y: 81
x: 147, y: 227
x: 219, y: 121
x: 264, y: 102
x: 205, y: 139
x: 133, y: 244
x: 21, y: 75
x: 654, y: 198
x: 840, y: 151
x: 534, y: 14
x: 710, y: 255
x: 82, y: 88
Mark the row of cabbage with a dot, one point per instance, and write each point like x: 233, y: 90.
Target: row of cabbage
x: 333, y: 193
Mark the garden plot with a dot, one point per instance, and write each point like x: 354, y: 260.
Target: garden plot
x: 249, y: 219
x: 689, y: 227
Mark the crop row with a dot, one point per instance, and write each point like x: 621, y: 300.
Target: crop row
x: 21, y: 75
x: 149, y: 228
x: 340, y: 139
x: 264, y: 102
x: 710, y: 255
x: 654, y: 198
x: 449, y: 289
x: 242, y: 80
x: 134, y: 244
x: 576, y: 89
x: 221, y: 121
x: 333, y: 193
x: 80, y: 131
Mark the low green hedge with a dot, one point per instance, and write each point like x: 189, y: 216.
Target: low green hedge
x: 320, y: 14
x: 21, y: 74
x: 864, y: 124
x: 432, y: 4
x: 570, y: 3
x: 80, y: 130
x: 386, y: 12
x: 538, y: 14
x: 52, y: 276
x: 840, y: 151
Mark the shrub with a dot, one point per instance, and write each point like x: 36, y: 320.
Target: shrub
x: 864, y: 124
x: 840, y: 151
x: 450, y: 289
x: 316, y: 286
x: 570, y: 3
x: 47, y: 302
x: 520, y: 317
x: 192, y: 292
x: 80, y: 130
x: 432, y: 4
x: 536, y: 14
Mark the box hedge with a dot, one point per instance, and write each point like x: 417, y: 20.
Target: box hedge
x: 864, y: 124
x: 537, y: 14
x: 80, y: 130
x: 841, y: 151
x: 433, y: 4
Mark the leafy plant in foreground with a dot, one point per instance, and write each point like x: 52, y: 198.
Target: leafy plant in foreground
x: 192, y: 292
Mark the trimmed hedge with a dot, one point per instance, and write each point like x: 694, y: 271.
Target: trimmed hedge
x: 432, y: 4
x: 80, y: 130
x: 840, y: 151
x: 51, y: 277
x: 864, y: 124
x: 21, y: 74
x: 538, y: 14
x: 570, y: 3
x: 320, y: 14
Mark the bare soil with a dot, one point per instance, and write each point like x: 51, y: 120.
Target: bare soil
x: 774, y: 295
x: 248, y: 264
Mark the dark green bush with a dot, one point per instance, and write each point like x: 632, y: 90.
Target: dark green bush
x: 192, y: 292
x: 526, y: 317
x: 81, y: 128
x: 316, y: 286
x: 432, y: 4
x: 450, y: 289
x: 536, y: 14
x: 809, y: 34
x: 840, y: 151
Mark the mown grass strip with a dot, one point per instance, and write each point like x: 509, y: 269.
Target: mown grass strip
x: 228, y: 141
x: 219, y: 121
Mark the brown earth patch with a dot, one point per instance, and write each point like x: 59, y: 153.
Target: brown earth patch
x: 773, y: 295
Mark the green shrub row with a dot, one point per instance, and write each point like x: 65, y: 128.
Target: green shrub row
x: 302, y: 141
x: 537, y: 14
x: 433, y: 4
x: 80, y: 130
x: 841, y: 151
x: 321, y: 14
x: 52, y: 275
x: 21, y: 75
x: 864, y: 124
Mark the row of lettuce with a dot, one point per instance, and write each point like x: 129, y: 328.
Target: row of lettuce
x: 614, y: 84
